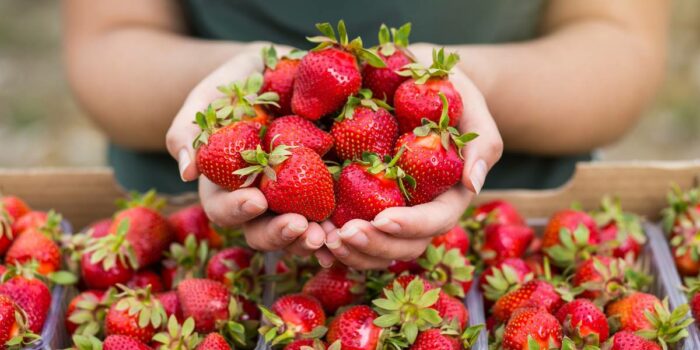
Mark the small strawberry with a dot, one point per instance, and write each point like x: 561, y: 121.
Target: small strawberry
x: 292, y: 172
x: 334, y: 287
x: 85, y: 312
x: 136, y: 313
x: 241, y: 102
x: 32, y: 219
x: 219, y: 148
x: 38, y: 244
x: 384, y: 81
x: 419, y: 97
x: 171, y: 304
x: 570, y: 237
x: 291, y: 317
x: 100, y: 228
x: 293, y: 130
x: 354, y: 329
x: 534, y: 293
x: 504, y: 277
x: 456, y: 237
x: 13, y: 325
x: 279, y: 76
x: 498, y: 212
x: 146, y: 278
x: 629, y: 341
x: 108, y: 260
x: 398, y: 267
x: 433, y: 339
x: 193, y: 220
x: 214, y: 341
x: 14, y: 207
x: 583, y: 322
x: 447, y: 269
x: 620, y: 232
x: 433, y: 156
x: 364, y: 125
x: 532, y: 324
x: 30, y: 295
x: 122, y: 342
x: 11, y: 209
x: 368, y: 186
x: 237, y: 268
x: 501, y: 241
x: 603, y: 279
x: 452, y: 310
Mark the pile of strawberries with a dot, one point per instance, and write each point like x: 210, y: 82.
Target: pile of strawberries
x: 577, y: 286
x: 342, y: 130
x: 32, y: 263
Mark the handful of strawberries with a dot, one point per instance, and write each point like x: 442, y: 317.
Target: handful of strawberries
x: 387, y: 120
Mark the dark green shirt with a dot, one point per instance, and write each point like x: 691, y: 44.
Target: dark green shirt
x: 289, y: 22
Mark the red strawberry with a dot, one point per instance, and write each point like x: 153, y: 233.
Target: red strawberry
x: 293, y: 130
x: 145, y: 278
x: 293, y: 172
x: 398, y: 267
x: 32, y: 296
x: 498, y: 212
x: 629, y: 311
x: 291, y: 317
x: 232, y: 267
x: 14, y: 207
x: 279, y: 75
x: 384, y: 81
x: 38, y: 244
x: 329, y: 74
x: 621, y: 232
x: 214, y: 341
x: 367, y: 187
x: 570, y: 237
x: 569, y: 220
x: 434, y: 339
x: 122, y: 342
x: 136, y: 314
x: 432, y: 157
x: 364, y: 125
x: 456, y: 237
x: 532, y: 323
x: 100, y: 228
x: 681, y: 221
x: 583, y: 322
x: 534, y: 293
x: 12, y: 324
x: 171, y: 304
x: 452, y: 309
x: 109, y: 260
x: 219, y: 148
x: 504, y: 241
x: 647, y: 315
x: 695, y: 307
x: 193, y: 220
x: 248, y: 309
x: 206, y: 301
x: 33, y: 219
x: 504, y: 277
x: 85, y: 313
x: 302, y: 344
x: 11, y: 209
x: 354, y: 328
x: 591, y: 271
x: 241, y: 102
x: 334, y: 287
x: 419, y: 97
x: 630, y: 341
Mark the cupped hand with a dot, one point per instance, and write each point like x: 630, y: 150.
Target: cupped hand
x: 403, y: 233
x: 242, y: 207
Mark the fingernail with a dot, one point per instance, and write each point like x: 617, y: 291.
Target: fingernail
x: 298, y: 228
x: 333, y: 241
x: 314, y: 241
x: 341, y: 252
x: 348, y: 232
x: 478, y: 175
x: 386, y: 225
x: 324, y: 261
x: 183, y: 161
x: 252, y: 207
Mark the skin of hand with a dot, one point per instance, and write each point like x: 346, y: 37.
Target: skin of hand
x: 403, y: 233
x: 244, y: 207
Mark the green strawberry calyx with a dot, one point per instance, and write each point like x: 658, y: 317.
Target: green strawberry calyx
x: 389, y: 169
x: 618, y: 278
x: 86, y: 342
x: 328, y: 39
x: 387, y: 46
x: 176, y: 336
x: 234, y: 329
x: 263, y: 162
x: 141, y: 303
x: 110, y: 248
x: 90, y: 312
x: 667, y: 328
x: 270, y: 58
x: 277, y: 332
x: 447, y: 269
x: 471, y: 335
x: 189, y: 259
x: 681, y: 210
x: 149, y: 199
x: 446, y: 132
x: 241, y: 96
x: 364, y: 99
x: 502, y: 281
x: 209, y: 122
x: 439, y: 69
x: 627, y: 224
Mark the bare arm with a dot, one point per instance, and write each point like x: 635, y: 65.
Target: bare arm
x: 582, y: 84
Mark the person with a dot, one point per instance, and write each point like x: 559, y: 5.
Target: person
x: 543, y: 82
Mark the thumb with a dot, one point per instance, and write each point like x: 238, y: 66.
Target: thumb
x: 179, y: 139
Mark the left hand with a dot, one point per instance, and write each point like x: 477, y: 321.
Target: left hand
x: 403, y: 233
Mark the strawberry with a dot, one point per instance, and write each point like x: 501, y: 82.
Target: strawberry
x: 85, y: 313
x: 176, y: 336
x: 504, y: 277
x: 136, y: 313
x: 122, y: 342
x: 38, y: 244
x: 171, y: 304
x: 532, y: 324
x: 432, y: 156
x: 451, y: 310
x: 570, y: 237
x: 291, y: 317
x: 419, y: 97
x: 398, y: 267
x: 681, y: 221
x: 334, y: 287
x: 14, y: 207
x: 293, y: 130
x: 330, y: 73
x: 498, y: 212
x: 108, y: 260
x: 193, y: 220
x: 447, y: 269
x: 100, y: 228
x: 214, y: 341
x: 368, y: 186
x: 237, y: 268
x: 695, y: 307
x: 241, y: 102
x: 364, y: 125
x: 32, y: 219
x: 292, y: 172
x: 621, y: 232
x: 219, y: 148
x: 279, y: 76
x: 32, y: 296
x: 629, y: 341
x: 207, y: 301
x: 456, y: 237
x: 433, y: 339
x: 146, y: 278
x: 305, y: 344
x: 534, y: 293
x: 354, y: 329
x: 13, y: 325
x: 11, y: 209
x: 603, y: 279
x: 384, y: 81
x: 503, y: 241
x: 583, y: 322
x: 629, y: 311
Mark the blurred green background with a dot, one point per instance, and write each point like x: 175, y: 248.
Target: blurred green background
x: 41, y: 124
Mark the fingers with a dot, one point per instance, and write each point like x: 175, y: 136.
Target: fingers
x: 276, y: 232
x: 311, y: 240
x: 425, y: 220
x: 325, y: 257
x: 229, y: 209
x: 349, y: 256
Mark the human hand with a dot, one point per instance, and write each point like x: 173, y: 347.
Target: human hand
x: 403, y: 233
x: 244, y: 206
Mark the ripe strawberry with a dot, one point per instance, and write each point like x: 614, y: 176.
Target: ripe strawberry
x: 293, y: 130
x: 603, y: 279
x: 293, y: 316
x: 498, y: 212
x: 85, y: 313
x: 583, y: 322
x: 570, y: 237
x: 279, y: 76
x: 629, y: 341
x: 13, y: 325
x: 645, y: 314
x: 145, y: 278
x: 534, y: 293
x: 122, y: 342
x: 334, y: 287
x: 214, y: 341
x: 367, y: 187
x: 398, y: 267
x: 193, y: 220
x: 449, y: 270
x: 432, y: 157
x: 456, y: 237
x: 569, y: 220
x: 206, y: 301
x: 354, y: 328
x: 433, y: 339
x: 330, y: 73
x: 629, y: 311
x: 14, y: 207
x: 38, y: 244
x: 695, y: 307
x: 171, y: 304
x: 237, y: 268
x: 100, y: 228
x: 32, y: 296
x: 364, y: 125
x: 305, y: 344
x: 451, y: 310
x: 137, y: 314
x: 292, y: 172
x: 419, y: 97
x: 108, y: 260
x: 384, y: 81
x: 219, y: 148
x: 32, y: 219
x: 532, y: 324
x: 621, y: 232
x: 11, y: 209
x: 241, y: 102
x: 504, y: 277
x: 503, y: 241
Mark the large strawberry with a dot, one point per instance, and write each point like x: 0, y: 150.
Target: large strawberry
x: 629, y: 341
x: 419, y: 97
x: 532, y: 324
x: 354, y: 328
x: 279, y: 76
x: 38, y: 244
x: 330, y: 73
x: 368, y: 186
x: 335, y: 287
x: 433, y: 156
x: 242, y: 102
x: 193, y: 220
x: 583, y: 322
x: 385, y: 80
x: 293, y: 130
x: 136, y: 313
x: 210, y: 304
x: 499, y: 242
x: 13, y: 325
x: 364, y: 125
x: 32, y: 296
x: 570, y: 236
x: 292, y: 172
x: 293, y: 316
x: 534, y: 293
x: 219, y: 148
